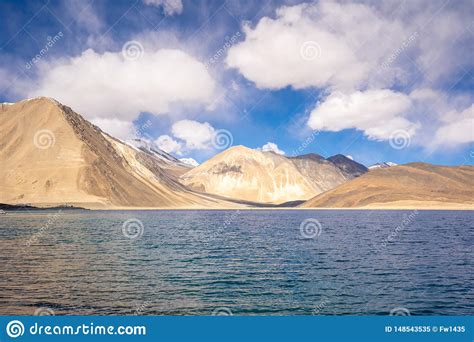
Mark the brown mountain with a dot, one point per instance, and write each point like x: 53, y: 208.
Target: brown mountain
x: 265, y: 177
x: 415, y: 185
x: 50, y: 155
x: 348, y: 166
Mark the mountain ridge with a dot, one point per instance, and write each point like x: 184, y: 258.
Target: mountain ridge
x: 73, y: 161
x: 413, y: 185
x: 76, y: 163
x: 266, y: 177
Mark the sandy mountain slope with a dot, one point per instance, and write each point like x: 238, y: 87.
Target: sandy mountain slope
x: 415, y: 185
x: 265, y: 177
x: 50, y: 155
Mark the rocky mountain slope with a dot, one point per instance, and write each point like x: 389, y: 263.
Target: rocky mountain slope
x: 167, y: 162
x: 266, y: 177
x: 50, y: 155
x: 347, y: 165
x: 415, y: 185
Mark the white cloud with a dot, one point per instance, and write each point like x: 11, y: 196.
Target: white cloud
x: 196, y: 135
x: 271, y: 147
x: 378, y: 113
x: 311, y: 45
x: 115, y: 127
x: 168, y: 144
x: 355, y: 46
x: 458, y: 128
x: 187, y: 136
x: 170, y: 7
x: 111, y: 86
x: 357, y: 52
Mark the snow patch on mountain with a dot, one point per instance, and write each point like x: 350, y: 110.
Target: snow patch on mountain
x: 189, y: 161
x: 382, y: 165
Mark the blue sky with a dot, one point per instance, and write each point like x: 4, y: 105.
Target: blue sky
x: 374, y: 80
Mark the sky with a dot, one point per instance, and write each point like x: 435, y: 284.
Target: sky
x: 373, y: 80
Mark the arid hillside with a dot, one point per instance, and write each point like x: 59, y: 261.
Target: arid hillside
x: 50, y: 155
x: 415, y: 185
x: 265, y: 177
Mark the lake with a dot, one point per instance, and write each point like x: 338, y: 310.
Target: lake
x: 262, y: 262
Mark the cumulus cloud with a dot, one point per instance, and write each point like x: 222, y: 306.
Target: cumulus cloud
x: 378, y: 113
x: 115, y: 127
x: 187, y: 136
x: 271, y: 147
x: 359, y: 53
x: 311, y: 45
x: 196, y: 135
x: 457, y: 128
x: 168, y: 144
x: 353, y: 45
x: 114, y: 85
x: 170, y: 7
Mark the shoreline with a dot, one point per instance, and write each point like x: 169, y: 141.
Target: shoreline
x: 40, y: 209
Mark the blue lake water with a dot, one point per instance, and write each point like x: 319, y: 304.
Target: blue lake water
x: 239, y: 262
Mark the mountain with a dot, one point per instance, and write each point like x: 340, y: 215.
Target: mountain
x: 382, y: 165
x: 265, y: 177
x: 348, y: 166
x: 50, y: 155
x: 415, y: 185
x: 166, y: 161
x: 320, y: 172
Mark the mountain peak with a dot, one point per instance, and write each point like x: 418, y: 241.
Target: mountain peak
x: 348, y: 165
x: 339, y: 157
x: 239, y: 148
x: 41, y: 99
x: 72, y: 161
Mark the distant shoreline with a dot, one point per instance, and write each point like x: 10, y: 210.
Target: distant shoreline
x: 22, y: 207
x: 7, y: 208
